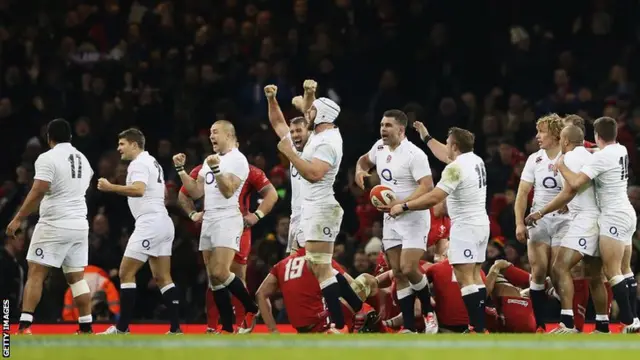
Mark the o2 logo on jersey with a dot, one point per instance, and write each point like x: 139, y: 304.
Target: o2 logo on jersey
x: 613, y: 231
x: 209, y: 179
x: 549, y: 183
x: 582, y: 242
x: 146, y: 244
x: 327, y: 231
x: 39, y: 253
x: 387, y: 176
x: 468, y: 254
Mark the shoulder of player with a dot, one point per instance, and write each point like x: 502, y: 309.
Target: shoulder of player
x: 414, y: 150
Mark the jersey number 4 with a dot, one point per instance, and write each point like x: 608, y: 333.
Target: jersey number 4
x: 293, y: 269
x: 76, y: 164
x: 482, y: 175
x: 624, y: 167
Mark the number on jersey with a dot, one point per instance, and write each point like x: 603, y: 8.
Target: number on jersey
x: 293, y: 269
x: 160, y: 172
x: 624, y: 167
x: 482, y: 175
x: 76, y: 163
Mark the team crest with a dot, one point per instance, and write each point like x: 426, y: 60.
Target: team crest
x: 380, y: 147
x: 388, y: 159
x: 550, y: 167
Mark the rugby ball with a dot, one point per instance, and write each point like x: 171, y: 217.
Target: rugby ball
x: 381, y: 195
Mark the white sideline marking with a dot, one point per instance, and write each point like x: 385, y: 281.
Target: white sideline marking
x: 292, y: 343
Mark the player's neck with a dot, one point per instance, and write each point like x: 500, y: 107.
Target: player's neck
x: 392, y: 147
x: 553, y: 152
x: 604, y: 144
x: 225, y: 151
x: 136, y: 153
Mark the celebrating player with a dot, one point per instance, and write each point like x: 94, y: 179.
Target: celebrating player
x: 153, y: 236
x: 609, y: 168
x: 544, y: 239
x: 258, y: 182
x: 404, y: 168
x: 61, y: 236
x: 321, y: 214
x: 220, y: 181
x: 581, y: 239
x: 578, y: 121
x: 464, y: 186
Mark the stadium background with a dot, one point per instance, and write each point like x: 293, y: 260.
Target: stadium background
x: 172, y: 68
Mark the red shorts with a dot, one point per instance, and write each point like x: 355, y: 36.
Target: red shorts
x: 245, y: 248
x: 517, y: 314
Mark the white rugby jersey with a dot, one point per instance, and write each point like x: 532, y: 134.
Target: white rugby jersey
x: 325, y: 146
x: 546, y: 183
x: 585, y: 199
x: 296, y: 184
x: 609, y: 168
x: 69, y: 174
x: 145, y: 169
x: 233, y: 162
x: 465, y: 180
x: 401, y: 168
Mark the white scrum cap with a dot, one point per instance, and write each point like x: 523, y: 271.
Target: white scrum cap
x: 328, y: 111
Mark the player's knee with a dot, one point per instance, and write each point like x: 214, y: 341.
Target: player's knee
x: 162, y: 280
x: 320, y: 264
x: 126, y: 276
x: 539, y: 275
x: 79, y: 288
x: 408, y: 269
x: 220, y: 273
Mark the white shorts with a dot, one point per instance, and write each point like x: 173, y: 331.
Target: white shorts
x: 582, y: 235
x: 320, y: 222
x: 152, y: 237
x: 295, y: 232
x: 408, y: 230
x: 550, y: 229
x: 57, y: 247
x: 224, y: 231
x: 619, y: 225
x: 468, y: 244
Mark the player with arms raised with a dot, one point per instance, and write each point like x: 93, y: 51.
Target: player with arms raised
x: 318, y: 166
x: 220, y: 181
x: 404, y: 168
x: 609, y: 168
x: 61, y: 236
x: 581, y: 239
x: 464, y: 186
x: 152, y: 238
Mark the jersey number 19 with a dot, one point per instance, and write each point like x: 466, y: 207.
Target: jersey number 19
x: 293, y: 269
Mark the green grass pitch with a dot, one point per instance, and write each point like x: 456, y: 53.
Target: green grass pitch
x: 325, y: 347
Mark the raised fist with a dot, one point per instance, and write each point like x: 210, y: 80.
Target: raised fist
x: 310, y: 86
x: 213, y: 160
x: 179, y: 159
x: 270, y: 91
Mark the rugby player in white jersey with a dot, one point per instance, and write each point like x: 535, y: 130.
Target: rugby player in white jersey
x: 61, y: 236
x: 581, y: 240
x: 609, y: 168
x: 153, y: 235
x: 543, y: 239
x: 404, y: 168
x: 318, y: 166
x: 464, y: 186
x: 220, y: 182
x: 298, y: 131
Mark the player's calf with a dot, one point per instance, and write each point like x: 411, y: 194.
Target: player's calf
x: 81, y: 296
x: 472, y: 298
x: 322, y: 270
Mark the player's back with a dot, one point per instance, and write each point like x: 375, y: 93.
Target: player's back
x: 144, y: 168
x: 450, y: 308
x: 300, y: 291
x: 612, y: 167
x: 69, y: 173
x: 325, y: 146
x: 465, y: 179
x: 547, y: 183
x: 585, y: 199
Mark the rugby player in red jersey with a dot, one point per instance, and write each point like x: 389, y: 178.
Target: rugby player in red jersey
x: 438, y: 238
x: 302, y: 296
x: 258, y: 182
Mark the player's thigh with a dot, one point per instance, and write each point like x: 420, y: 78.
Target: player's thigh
x: 295, y: 234
x: 144, y: 240
x: 129, y: 267
x: 322, y: 222
x: 558, y: 227
x: 540, y: 233
x: 465, y: 245
x: 539, y: 254
x: 77, y: 256
x: 49, y: 246
x: 464, y: 273
x: 413, y: 230
x: 393, y: 257
x: 582, y: 237
x: 612, y: 253
x: 161, y: 269
x: 618, y: 225
x: 226, y: 233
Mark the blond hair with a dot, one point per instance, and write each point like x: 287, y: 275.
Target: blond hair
x: 554, y: 124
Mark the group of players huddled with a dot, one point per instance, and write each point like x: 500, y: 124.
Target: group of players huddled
x: 578, y: 230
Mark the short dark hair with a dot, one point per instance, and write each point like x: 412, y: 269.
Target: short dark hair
x: 576, y: 120
x: 298, y: 120
x: 464, y: 139
x: 59, y: 131
x: 133, y: 135
x: 397, y: 115
x: 606, y: 128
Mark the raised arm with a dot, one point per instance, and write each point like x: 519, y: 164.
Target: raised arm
x: 438, y: 149
x: 276, y: 117
x: 195, y: 187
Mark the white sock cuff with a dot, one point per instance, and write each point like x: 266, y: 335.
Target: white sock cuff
x: 26, y: 317
x: 330, y: 281
x: 536, y: 287
x: 87, y: 319
x: 128, y: 286
x: 602, y: 317
x: 217, y: 287
x: 421, y: 284
x: 403, y: 293
x: 167, y: 287
x: 469, y: 289
x: 616, y: 280
x: 566, y: 312
x: 229, y: 279
x: 480, y: 286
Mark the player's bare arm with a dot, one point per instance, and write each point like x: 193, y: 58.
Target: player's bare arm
x: 424, y: 202
x: 425, y: 185
x: 268, y: 287
x: 309, y: 97
x: 312, y: 171
x: 493, y: 274
x: 440, y: 210
x: 195, y: 187
x: 575, y: 181
x: 438, y: 149
x: 276, y: 117
x: 363, y: 167
x: 186, y: 204
x: 134, y: 190
x: 560, y: 201
x: 228, y: 183
x: 520, y: 208
x: 269, y: 197
x: 384, y: 279
x: 30, y: 204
